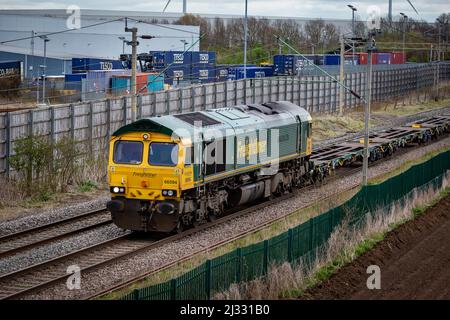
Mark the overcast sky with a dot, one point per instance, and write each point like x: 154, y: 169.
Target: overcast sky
x: 428, y: 9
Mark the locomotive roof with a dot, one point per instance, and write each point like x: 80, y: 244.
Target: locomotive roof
x: 244, y: 117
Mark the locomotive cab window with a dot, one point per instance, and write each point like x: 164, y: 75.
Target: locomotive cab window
x: 163, y: 154
x: 128, y: 152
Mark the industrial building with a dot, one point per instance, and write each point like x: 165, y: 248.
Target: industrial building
x: 106, y: 40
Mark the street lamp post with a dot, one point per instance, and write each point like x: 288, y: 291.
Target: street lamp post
x: 44, y: 74
x: 405, y: 18
x: 353, y: 8
x: 134, y: 43
x: 245, y: 39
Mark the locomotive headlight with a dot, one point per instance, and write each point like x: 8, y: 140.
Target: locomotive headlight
x: 145, y: 136
x: 117, y: 190
x: 169, y: 193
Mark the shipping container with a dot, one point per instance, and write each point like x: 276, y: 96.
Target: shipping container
x: 291, y: 64
x: 121, y: 84
x: 398, y: 58
x: 222, y: 73
x: 100, y: 81
x: 351, y: 59
x: 72, y: 81
x: 155, y: 82
x: 252, y: 72
x: 202, y: 58
x: 331, y: 59
x: 205, y: 74
x: 363, y: 57
x: 383, y: 58
x: 176, y: 73
x: 91, y: 64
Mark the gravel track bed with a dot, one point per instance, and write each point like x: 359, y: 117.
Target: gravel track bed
x: 150, y: 260
x: 43, y: 217
x: 58, y: 248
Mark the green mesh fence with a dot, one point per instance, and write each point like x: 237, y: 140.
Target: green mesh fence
x: 299, y: 243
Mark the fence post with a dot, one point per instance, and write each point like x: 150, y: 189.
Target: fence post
x: 239, y: 265
x: 31, y: 130
x: 153, y: 113
x: 91, y: 127
x: 208, y: 279
x: 173, y: 289
x: 72, y: 122
x: 108, y: 122
x: 225, y: 96
x: 266, y: 256
x: 192, y: 107
x: 204, y: 96
x: 139, y: 107
x: 289, y: 249
x: 180, y: 100
x: 8, y: 142
x: 52, y: 125
x: 235, y: 92
x: 124, y: 106
x: 245, y: 91
x: 167, y: 102
x: 136, y: 294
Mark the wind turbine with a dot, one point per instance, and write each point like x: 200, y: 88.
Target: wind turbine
x: 184, y: 6
x: 390, y: 10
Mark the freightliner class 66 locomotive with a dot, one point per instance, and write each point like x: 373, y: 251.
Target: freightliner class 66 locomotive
x: 170, y: 172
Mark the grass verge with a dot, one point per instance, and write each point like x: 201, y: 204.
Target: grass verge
x: 295, y: 218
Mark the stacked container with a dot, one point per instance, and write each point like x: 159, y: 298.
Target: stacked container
x: 252, y: 72
x: 398, y: 58
x: 331, y: 59
x: 82, y: 65
x: 203, y: 67
x: 383, y: 58
x: 73, y: 81
x: 285, y: 65
x: 145, y: 82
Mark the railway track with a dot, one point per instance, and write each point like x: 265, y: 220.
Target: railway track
x: 25, y: 281
x: 16, y: 242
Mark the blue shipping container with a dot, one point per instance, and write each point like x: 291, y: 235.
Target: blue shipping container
x: 73, y: 81
x: 331, y: 59
x: 177, y: 58
x: 176, y: 73
x: 252, y: 72
x: 291, y: 64
x: 10, y: 68
x: 91, y: 64
x: 202, y: 58
x: 222, y: 73
x: 203, y: 74
x: 384, y: 58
